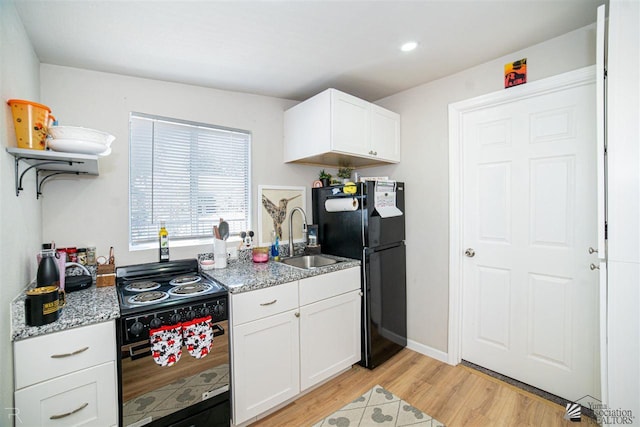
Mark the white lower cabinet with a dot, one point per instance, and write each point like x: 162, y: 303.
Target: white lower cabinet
x: 329, y: 337
x: 281, y: 349
x: 67, y: 378
x: 266, y: 364
x: 83, y: 398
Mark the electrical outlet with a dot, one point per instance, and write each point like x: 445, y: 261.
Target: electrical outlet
x: 232, y: 253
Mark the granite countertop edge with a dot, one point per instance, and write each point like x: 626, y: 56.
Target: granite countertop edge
x: 85, y: 307
x: 243, y: 277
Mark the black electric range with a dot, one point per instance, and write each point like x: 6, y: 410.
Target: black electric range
x: 170, y: 297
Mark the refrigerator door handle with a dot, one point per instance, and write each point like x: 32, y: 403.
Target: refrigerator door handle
x: 364, y: 311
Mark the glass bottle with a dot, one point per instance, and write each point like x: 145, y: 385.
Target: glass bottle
x: 163, y: 237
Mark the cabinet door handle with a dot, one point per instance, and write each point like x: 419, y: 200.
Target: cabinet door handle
x: 58, y: 356
x: 268, y: 303
x: 297, y: 314
x: 57, y: 417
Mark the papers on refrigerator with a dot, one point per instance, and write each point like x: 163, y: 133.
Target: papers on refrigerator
x: 385, y: 199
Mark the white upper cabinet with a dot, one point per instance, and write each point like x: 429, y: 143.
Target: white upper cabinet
x: 335, y: 129
x: 349, y: 123
x: 385, y: 134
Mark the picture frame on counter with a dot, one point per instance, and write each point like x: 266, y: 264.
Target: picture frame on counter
x: 275, y: 203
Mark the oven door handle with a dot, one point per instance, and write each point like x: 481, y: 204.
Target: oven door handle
x: 136, y: 353
x: 218, y: 330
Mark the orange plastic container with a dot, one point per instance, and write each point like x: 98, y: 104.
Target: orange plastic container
x: 30, y: 121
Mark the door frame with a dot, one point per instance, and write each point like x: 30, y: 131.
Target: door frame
x: 457, y: 110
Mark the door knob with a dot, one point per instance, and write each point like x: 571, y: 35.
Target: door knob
x: 470, y: 253
x: 592, y: 251
x: 594, y: 267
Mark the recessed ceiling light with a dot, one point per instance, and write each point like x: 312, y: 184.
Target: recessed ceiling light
x: 409, y: 46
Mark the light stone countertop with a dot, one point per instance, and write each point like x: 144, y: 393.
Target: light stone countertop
x: 96, y: 305
x: 243, y: 276
x: 84, y: 307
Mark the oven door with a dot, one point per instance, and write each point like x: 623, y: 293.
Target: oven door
x: 191, y: 388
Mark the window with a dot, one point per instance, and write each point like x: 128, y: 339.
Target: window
x: 187, y: 174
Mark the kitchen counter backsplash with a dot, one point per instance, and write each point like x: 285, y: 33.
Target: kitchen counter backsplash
x: 84, y: 307
x: 244, y: 255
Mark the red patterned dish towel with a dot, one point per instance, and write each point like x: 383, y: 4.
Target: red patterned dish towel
x: 166, y: 344
x: 198, y: 336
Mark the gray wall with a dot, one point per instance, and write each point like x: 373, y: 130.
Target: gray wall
x: 424, y: 167
x: 94, y: 210
x: 20, y: 217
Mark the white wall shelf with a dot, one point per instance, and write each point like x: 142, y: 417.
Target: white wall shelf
x: 50, y: 164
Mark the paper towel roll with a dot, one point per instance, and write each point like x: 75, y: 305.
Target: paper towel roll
x: 342, y: 204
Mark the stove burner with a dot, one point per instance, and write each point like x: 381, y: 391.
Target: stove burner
x: 149, y: 297
x: 185, y: 280
x: 142, y: 286
x: 190, y: 289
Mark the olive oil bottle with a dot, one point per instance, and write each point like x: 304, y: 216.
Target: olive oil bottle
x: 163, y: 237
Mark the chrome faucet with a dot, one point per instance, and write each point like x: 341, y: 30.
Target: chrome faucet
x: 304, y: 228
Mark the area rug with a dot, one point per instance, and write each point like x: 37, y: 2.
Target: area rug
x: 378, y: 407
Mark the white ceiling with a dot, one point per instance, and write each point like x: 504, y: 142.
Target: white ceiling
x: 293, y: 49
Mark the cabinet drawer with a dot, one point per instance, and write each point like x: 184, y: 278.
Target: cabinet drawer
x: 49, y: 356
x: 329, y: 285
x: 261, y: 303
x: 86, y: 398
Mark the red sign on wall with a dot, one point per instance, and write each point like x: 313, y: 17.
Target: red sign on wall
x: 515, y: 73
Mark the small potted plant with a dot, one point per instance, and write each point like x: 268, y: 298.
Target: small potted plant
x: 344, y: 172
x: 325, y: 178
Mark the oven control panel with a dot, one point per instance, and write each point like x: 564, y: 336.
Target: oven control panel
x: 137, y: 327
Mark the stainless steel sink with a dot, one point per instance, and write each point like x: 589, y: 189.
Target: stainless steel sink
x: 308, y: 262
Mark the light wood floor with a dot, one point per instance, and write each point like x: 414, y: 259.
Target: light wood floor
x: 454, y: 395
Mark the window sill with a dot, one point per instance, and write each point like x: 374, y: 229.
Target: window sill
x: 180, y: 244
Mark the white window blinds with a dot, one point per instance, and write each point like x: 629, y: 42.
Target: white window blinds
x: 187, y: 174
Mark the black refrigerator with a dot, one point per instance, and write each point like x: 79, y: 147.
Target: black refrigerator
x: 365, y: 225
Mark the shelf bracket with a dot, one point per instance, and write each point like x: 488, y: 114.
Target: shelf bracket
x: 19, y: 176
x: 40, y: 181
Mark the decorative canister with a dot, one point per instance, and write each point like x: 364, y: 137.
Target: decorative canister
x: 43, y: 305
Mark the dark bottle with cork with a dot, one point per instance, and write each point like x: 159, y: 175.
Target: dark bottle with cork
x: 48, y: 273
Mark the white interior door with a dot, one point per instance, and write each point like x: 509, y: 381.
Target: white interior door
x: 529, y: 297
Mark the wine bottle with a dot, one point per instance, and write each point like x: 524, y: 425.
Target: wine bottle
x: 163, y: 238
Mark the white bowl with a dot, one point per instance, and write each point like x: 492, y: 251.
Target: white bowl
x: 81, y: 134
x: 81, y: 147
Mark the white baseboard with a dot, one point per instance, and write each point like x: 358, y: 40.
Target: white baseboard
x: 428, y: 351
